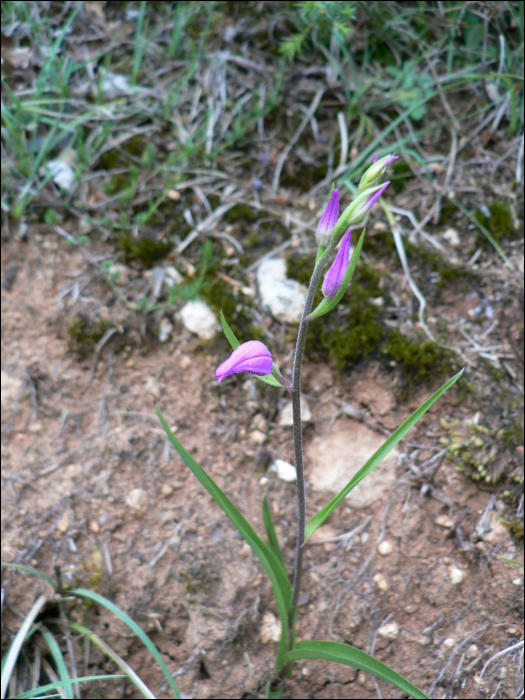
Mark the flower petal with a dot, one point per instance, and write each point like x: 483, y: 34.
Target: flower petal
x: 253, y: 357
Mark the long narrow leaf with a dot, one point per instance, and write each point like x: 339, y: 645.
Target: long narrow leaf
x: 132, y: 675
x: 30, y: 570
x: 378, y: 456
x: 52, y: 686
x: 281, y: 585
x: 60, y: 662
x: 271, y: 535
x: 350, y: 656
x: 14, y: 650
x: 83, y: 593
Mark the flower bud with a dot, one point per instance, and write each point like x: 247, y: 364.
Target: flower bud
x: 358, y: 211
x: 326, y: 225
x: 335, y: 275
x: 375, y: 171
x: 253, y: 357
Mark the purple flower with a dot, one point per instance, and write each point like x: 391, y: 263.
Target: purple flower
x: 326, y: 225
x: 334, y: 277
x: 253, y: 357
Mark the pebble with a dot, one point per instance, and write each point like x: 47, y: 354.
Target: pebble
x: 198, y: 318
x: 457, y: 576
x: 257, y: 436
x: 452, y: 236
x: 270, y: 628
x: 472, y: 651
x: 381, y: 582
x: 449, y: 642
x: 173, y: 277
x: 444, y: 521
x: 120, y: 274
x: 283, y: 297
x: 165, y: 328
x: 389, y: 631
x: 166, y: 490
x: 285, y: 471
x: 385, y: 548
x: 286, y: 415
x: 137, y: 499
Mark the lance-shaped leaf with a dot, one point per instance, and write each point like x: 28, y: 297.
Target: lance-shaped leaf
x: 328, y: 304
x: 377, y: 457
x: 350, y: 656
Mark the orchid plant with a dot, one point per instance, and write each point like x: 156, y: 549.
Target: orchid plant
x: 255, y: 358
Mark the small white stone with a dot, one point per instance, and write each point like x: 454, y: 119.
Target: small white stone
x: 137, y: 499
x: 472, y: 651
x: 424, y: 640
x: 385, y: 548
x: 457, y: 576
x: 381, y: 582
x: 198, y: 318
x: 286, y: 415
x: 165, y: 328
x: 449, y: 642
x: 444, y: 521
x: 270, y: 628
x: 62, y: 173
x: 452, y: 236
x: 285, y: 471
x: 257, y: 436
x: 283, y: 297
x: 389, y: 631
x: 263, y: 481
x: 259, y: 422
x: 173, y: 276
x: 517, y: 582
x: 166, y: 490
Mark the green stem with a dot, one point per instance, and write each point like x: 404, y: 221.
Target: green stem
x: 298, y: 439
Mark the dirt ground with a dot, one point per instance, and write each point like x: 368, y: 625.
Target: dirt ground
x: 90, y: 484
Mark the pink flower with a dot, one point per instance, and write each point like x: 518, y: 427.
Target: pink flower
x: 334, y: 277
x: 253, y: 357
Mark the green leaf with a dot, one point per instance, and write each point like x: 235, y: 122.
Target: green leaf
x: 52, y: 686
x: 83, y: 593
x: 30, y: 570
x: 271, y: 535
x: 60, y: 662
x: 230, y: 336
x: 350, y: 656
x: 282, y: 589
x: 328, y: 304
x: 378, y: 456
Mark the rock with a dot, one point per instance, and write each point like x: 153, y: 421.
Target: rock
x: 173, y: 277
x: 137, y: 499
x: 166, y: 490
x: 472, y: 651
x: 457, y: 576
x: 257, y: 436
x: 339, y: 453
x: 259, y: 422
x: 385, y: 548
x: 165, y: 328
x: 283, y: 297
x: 285, y: 471
x: 452, y: 236
x: 11, y: 389
x: 270, y: 628
x: 445, y: 521
x: 286, y: 415
x: 389, y: 631
x: 198, y: 318
x: 449, y: 642
x: 381, y: 582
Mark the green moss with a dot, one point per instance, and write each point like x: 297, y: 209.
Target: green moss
x: 515, y: 527
x: 242, y: 213
x: 499, y: 223
x: 85, y: 334
x: 422, y: 361
x: 511, y: 437
x: 143, y: 248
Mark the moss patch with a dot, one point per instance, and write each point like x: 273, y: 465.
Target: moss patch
x: 422, y: 361
x: 499, y: 223
x: 144, y: 248
x: 85, y: 334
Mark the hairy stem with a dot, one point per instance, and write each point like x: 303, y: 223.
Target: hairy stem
x: 298, y: 438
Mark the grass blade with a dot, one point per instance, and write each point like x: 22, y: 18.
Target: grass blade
x: 350, y: 656
x: 30, y: 570
x: 378, y: 456
x: 83, y: 593
x: 52, y: 686
x: 133, y: 677
x: 60, y: 662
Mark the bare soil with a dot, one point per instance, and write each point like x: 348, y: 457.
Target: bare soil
x: 90, y: 485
